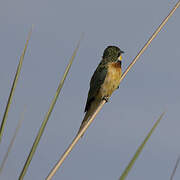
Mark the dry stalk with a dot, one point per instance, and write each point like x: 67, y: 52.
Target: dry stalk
x: 76, y: 139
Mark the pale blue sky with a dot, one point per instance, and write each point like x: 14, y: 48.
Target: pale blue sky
x: 149, y: 88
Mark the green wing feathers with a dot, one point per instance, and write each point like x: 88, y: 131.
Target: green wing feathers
x: 95, y: 84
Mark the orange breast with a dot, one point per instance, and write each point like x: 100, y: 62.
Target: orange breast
x: 111, y: 81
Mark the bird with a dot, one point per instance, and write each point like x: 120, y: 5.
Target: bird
x: 104, y: 82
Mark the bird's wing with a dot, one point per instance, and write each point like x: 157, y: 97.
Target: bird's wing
x: 95, y: 84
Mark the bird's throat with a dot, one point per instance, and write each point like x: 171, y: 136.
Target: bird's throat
x: 117, y: 64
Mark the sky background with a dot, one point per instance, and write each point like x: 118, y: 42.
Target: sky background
x: 151, y: 87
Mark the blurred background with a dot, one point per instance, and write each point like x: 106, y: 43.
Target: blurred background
x: 150, y: 88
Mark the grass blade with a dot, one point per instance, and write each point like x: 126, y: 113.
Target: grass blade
x: 43, y: 125
x: 14, y: 86
x: 174, y: 170
x: 12, y: 141
x: 139, y: 150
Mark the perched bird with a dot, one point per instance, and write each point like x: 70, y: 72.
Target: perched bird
x: 104, y: 81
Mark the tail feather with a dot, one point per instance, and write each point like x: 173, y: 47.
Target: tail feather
x: 84, y: 122
x: 88, y: 114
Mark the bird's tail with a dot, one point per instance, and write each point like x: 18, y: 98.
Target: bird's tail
x: 89, y: 114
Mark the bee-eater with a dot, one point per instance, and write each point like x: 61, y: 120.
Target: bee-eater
x: 104, y: 81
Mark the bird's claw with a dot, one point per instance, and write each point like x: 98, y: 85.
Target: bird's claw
x: 106, y: 99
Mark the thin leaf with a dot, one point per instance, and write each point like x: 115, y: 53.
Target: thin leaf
x: 174, y: 170
x: 14, y: 86
x: 136, y: 155
x: 43, y: 125
x: 12, y: 141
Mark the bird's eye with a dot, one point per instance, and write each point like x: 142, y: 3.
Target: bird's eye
x: 119, y: 54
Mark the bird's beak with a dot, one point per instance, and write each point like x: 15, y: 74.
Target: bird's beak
x: 120, y: 58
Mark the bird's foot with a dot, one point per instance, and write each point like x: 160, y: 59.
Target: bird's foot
x: 106, y: 98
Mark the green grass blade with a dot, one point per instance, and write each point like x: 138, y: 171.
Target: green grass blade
x: 12, y: 141
x: 174, y: 170
x: 14, y: 86
x: 139, y: 150
x: 43, y: 125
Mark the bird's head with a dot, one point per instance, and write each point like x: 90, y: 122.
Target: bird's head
x: 112, y: 54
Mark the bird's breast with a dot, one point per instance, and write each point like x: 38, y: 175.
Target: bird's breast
x: 112, y: 79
